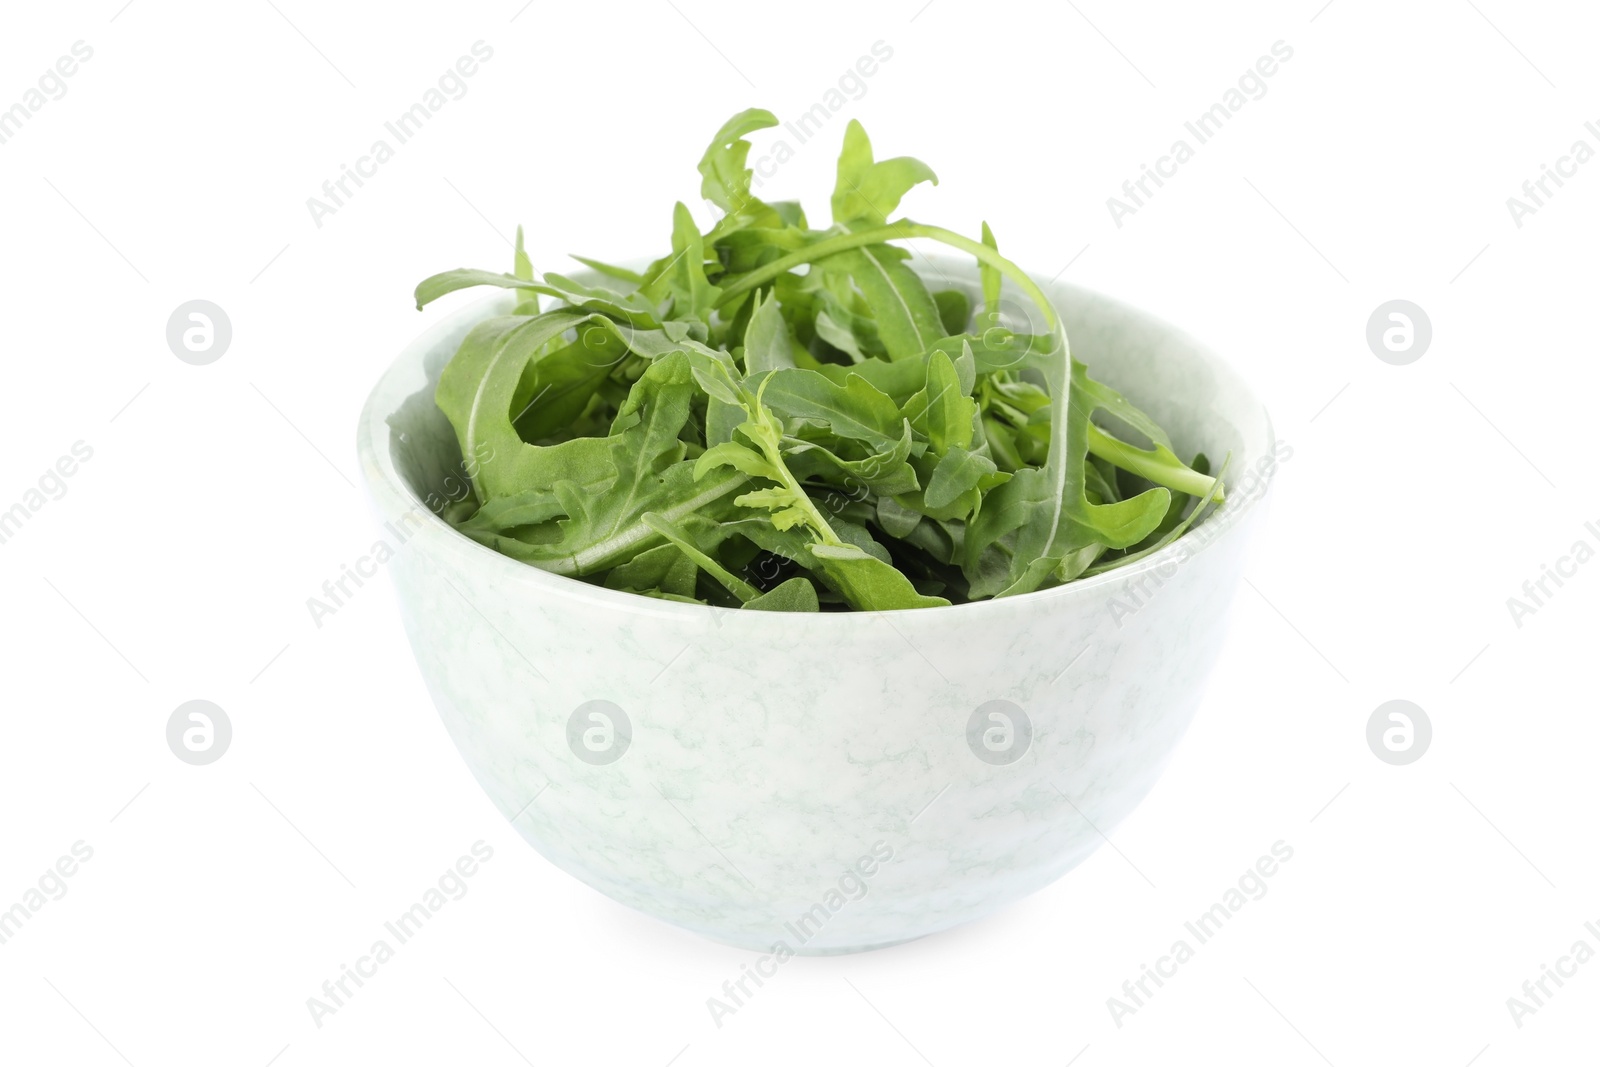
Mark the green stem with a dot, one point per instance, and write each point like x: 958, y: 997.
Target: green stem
x: 771, y: 446
x: 1147, y: 465
x: 626, y: 543
x: 901, y: 230
x: 1058, y: 375
x: 740, y: 588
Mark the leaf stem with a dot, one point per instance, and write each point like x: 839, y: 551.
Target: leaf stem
x: 623, y: 544
x: 901, y: 230
x: 769, y: 437
x: 1058, y: 374
x: 1149, y: 466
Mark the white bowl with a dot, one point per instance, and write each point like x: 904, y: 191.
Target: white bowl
x: 820, y: 783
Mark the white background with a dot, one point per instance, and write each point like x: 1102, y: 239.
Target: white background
x: 178, y: 563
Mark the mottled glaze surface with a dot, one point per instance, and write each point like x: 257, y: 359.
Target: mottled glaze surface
x: 771, y: 753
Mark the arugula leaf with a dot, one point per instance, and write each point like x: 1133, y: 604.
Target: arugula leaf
x: 884, y: 472
x: 734, y: 584
x: 521, y: 265
x: 942, y: 411
x: 682, y: 276
x: 1000, y: 349
x: 660, y: 570
x: 855, y: 409
x: 475, y: 392
x: 899, y: 380
x: 989, y: 278
x: 842, y: 337
x: 726, y: 180
x: 622, y: 274
x: 955, y: 309
x: 768, y: 401
x: 506, y: 513
x: 1170, y: 529
x: 1053, y: 517
x: 795, y: 594
x: 959, y: 472
x: 868, y: 190
x: 579, y: 296
x: 767, y: 344
x: 557, y: 387
x: 867, y: 582
x: 906, y: 316
x: 605, y: 525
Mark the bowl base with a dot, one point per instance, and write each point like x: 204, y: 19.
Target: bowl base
x: 804, y: 950
x: 847, y: 950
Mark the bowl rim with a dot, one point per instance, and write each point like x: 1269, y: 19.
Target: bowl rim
x: 393, y: 496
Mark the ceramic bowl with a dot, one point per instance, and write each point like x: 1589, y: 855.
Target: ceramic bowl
x: 820, y: 783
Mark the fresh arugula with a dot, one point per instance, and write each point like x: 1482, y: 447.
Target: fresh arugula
x: 781, y: 418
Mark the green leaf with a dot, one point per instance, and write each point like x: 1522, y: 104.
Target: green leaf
x: 999, y: 349
x: 795, y: 594
x: 899, y: 380
x: 722, y: 419
x: 766, y: 390
x: 856, y: 409
x: 1156, y: 464
x: 871, y: 191
x: 958, y: 473
x: 1052, y: 515
x: 432, y: 288
x: 767, y: 344
x: 725, y: 179
x: 558, y: 387
x: 839, y: 336
x: 682, y: 275
x: 662, y: 569
x: 732, y: 583
x: 884, y: 472
x: 907, y: 319
x: 1116, y: 405
x: 989, y: 279
x: 528, y: 508
x: 740, y: 457
x: 1174, y: 529
x: 1001, y: 440
x: 855, y: 535
x: 948, y: 412
x: 606, y: 525
x: 626, y: 308
x: 955, y: 310
x: 868, y: 583
x: 521, y: 265
x: 622, y: 274
x: 475, y: 393
x: 895, y: 519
